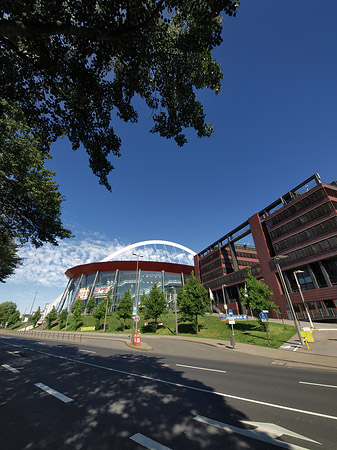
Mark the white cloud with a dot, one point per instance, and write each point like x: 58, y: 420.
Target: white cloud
x: 46, y: 265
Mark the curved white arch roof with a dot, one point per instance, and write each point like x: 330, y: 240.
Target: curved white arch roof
x: 143, y: 244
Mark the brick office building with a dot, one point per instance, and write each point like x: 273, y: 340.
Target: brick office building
x: 299, y: 231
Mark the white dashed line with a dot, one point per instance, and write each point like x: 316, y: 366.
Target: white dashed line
x: 148, y: 443
x: 200, y: 368
x: 52, y: 391
x: 6, y: 366
x: 318, y: 384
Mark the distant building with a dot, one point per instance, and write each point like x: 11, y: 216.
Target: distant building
x: 299, y: 230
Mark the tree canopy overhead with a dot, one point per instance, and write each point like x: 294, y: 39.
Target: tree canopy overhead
x: 72, y: 66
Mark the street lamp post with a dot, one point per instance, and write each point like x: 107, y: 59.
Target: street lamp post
x: 31, y: 309
x: 175, y: 308
x: 301, y: 294
x: 136, y: 295
x: 276, y: 259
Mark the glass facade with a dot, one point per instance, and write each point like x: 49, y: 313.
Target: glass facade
x: 116, y: 283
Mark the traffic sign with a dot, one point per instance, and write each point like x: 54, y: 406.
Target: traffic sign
x: 136, y: 318
x: 230, y: 313
x: 263, y: 316
x: 134, y: 310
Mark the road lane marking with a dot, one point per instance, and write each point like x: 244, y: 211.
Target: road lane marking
x: 148, y: 443
x: 318, y: 384
x: 6, y: 366
x: 207, y: 391
x: 253, y: 434
x: 87, y: 351
x: 14, y: 353
x: 52, y: 391
x: 326, y: 329
x: 201, y: 368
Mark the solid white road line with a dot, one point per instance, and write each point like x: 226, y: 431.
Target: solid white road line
x: 200, y: 368
x: 52, y: 391
x: 6, y: 366
x: 185, y: 386
x: 87, y: 351
x: 318, y: 384
x: 326, y: 329
x: 147, y: 442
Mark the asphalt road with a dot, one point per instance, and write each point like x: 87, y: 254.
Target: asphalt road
x: 182, y: 395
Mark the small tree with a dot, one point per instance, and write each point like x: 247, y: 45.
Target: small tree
x: 63, y: 318
x: 257, y: 294
x: 99, y: 313
x: 51, y: 317
x: 124, y: 308
x: 13, y: 318
x: 154, y: 304
x: 91, y: 304
x: 193, y: 301
x: 77, y: 310
x: 35, y: 317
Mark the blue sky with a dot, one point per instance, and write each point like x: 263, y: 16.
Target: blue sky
x: 275, y: 125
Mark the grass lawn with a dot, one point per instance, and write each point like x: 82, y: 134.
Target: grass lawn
x: 246, y: 331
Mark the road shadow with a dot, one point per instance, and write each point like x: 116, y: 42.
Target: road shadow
x: 114, y: 397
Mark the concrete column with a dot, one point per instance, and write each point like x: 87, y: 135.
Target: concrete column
x: 325, y: 273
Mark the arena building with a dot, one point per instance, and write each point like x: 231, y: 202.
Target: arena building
x: 135, y: 268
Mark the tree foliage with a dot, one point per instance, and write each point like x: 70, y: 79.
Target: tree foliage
x: 72, y: 66
x: 100, y: 311
x: 30, y: 204
x: 91, y: 304
x: 256, y: 295
x: 124, y: 308
x: 51, y: 317
x: 62, y: 318
x: 154, y: 304
x: 9, y: 259
x: 35, y: 317
x: 8, y: 313
x: 193, y: 301
x: 77, y: 311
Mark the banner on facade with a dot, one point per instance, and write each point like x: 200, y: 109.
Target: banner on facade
x: 101, y: 291
x: 83, y: 293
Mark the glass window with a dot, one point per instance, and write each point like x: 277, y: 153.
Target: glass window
x: 325, y: 245
x: 333, y: 241
x: 147, y: 280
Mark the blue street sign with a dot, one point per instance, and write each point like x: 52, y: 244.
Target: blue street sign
x: 263, y: 315
x: 230, y: 313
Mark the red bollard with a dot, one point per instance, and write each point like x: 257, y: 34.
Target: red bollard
x: 137, y: 339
